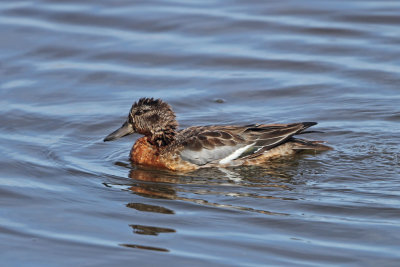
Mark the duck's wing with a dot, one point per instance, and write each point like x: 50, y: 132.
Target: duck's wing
x: 268, y: 136
x: 202, y: 145
x: 222, y: 144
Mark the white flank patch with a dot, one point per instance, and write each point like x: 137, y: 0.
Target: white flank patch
x: 234, y: 155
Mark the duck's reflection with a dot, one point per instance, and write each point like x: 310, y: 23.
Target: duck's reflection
x: 153, y: 184
x: 224, y: 182
x: 144, y: 247
x: 142, y: 207
x: 205, y: 184
x: 149, y: 208
x: 150, y: 230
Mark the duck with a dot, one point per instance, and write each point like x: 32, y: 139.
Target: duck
x: 165, y: 146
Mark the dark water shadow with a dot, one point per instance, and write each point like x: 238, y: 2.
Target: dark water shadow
x: 144, y: 247
x: 150, y: 230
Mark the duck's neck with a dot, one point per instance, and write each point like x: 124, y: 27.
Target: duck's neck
x: 162, y: 137
x: 162, y: 140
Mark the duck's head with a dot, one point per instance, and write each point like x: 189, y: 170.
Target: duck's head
x: 152, y: 118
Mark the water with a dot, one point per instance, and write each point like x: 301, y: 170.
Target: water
x: 70, y: 71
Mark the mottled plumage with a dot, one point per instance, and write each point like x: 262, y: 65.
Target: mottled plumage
x: 206, y: 146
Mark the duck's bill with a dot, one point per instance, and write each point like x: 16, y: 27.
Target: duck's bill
x: 126, y: 129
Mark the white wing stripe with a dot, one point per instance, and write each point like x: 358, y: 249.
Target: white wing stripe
x: 234, y: 155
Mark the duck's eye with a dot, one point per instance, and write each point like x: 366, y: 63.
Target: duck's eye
x: 142, y: 110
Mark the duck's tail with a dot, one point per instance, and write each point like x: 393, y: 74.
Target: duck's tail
x: 302, y: 144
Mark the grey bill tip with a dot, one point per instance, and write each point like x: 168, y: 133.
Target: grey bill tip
x: 126, y: 129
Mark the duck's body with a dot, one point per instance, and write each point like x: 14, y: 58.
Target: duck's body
x: 206, y: 146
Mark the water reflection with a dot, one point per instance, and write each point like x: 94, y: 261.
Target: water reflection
x: 144, y: 247
x: 149, y: 208
x: 278, y: 173
x: 150, y: 230
x: 153, y: 184
x: 223, y: 183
